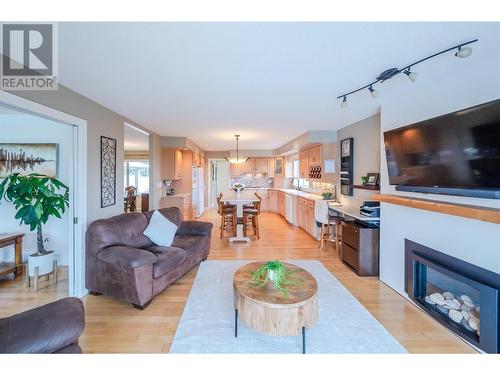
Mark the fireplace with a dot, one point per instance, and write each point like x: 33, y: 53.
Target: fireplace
x: 460, y: 295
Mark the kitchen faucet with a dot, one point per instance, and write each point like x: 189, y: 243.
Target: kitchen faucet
x: 298, y: 183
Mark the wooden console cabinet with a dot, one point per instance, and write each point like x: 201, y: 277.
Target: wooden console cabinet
x: 360, y: 248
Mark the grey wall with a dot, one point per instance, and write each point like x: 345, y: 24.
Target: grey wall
x: 100, y: 121
x: 366, y: 134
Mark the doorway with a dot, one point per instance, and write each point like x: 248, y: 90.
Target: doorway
x: 136, y: 171
x: 69, y: 133
x: 220, y: 179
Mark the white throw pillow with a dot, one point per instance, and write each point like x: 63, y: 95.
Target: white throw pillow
x: 160, y: 230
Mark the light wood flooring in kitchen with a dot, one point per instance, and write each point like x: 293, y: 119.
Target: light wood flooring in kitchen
x: 114, y: 326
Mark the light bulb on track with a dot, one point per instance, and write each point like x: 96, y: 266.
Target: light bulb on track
x: 374, y: 93
x: 412, y: 76
x: 463, y: 52
x: 344, y: 103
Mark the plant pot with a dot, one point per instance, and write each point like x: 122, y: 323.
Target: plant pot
x: 44, y: 262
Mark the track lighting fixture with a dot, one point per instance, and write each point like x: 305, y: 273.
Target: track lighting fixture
x: 373, y: 92
x: 411, y: 75
x: 461, y: 51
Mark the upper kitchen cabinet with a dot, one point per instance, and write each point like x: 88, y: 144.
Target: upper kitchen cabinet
x: 311, y: 163
x: 261, y: 165
x: 248, y: 166
x: 314, y: 156
x: 270, y: 167
x: 198, y: 160
x: 279, y: 167
x: 304, y: 164
x: 171, y: 164
x: 236, y: 170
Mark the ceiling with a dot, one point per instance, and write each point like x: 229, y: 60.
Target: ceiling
x: 269, y: 82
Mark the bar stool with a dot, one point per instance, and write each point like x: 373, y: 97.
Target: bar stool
x: 251, y: 216
x: 227, y: 214
x: 326, y: 233
x: 326, y: 223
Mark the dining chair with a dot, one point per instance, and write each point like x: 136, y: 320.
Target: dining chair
x: 227, y: 214
x: 130, y: 200
x: 251, y: 217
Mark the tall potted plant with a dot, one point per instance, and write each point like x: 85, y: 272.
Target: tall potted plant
x: 36, y: 198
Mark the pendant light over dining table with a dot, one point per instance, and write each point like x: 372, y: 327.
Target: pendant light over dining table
x: 236, y: 159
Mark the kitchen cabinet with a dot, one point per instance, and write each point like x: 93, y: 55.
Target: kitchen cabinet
x: 281, y: 203
x: 273, y: 200
x: 182, y: 202
x: 264, y: 196
x: 305, y: 216
x: 270, y: 167
x: 254, y: 165
x: 197, y: 160
x: 248, y: 166
x: 236, y: 170
x: 279, y: 167
x: 303, y: 164
x: 261, y: 166
x: 171, y: 164
x: 311, y: 163
x: 314, y: 156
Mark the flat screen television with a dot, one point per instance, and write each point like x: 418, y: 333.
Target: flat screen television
x: 455, y: 154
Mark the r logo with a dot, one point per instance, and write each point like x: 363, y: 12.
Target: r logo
x: 28, y: 49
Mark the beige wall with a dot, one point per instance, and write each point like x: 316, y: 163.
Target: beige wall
x: 366, y: 134
x: 100, y: 121
x: 155, y: 178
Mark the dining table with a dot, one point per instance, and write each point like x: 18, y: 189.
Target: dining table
x: 239, y: 199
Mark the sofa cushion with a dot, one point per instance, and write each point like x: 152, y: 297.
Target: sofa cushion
x: 126, y: 256
x: 121, y: 230
x: 189, y: 243
x: 160, y: 230
x: 168, y: 259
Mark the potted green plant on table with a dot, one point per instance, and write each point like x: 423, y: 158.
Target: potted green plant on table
x: 36, y: 198
x: 238, y: 187
x: 276, y: 272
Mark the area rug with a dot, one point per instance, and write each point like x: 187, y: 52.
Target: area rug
x: 343, y: 325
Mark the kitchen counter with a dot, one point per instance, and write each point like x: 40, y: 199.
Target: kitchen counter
x: 299, y: 193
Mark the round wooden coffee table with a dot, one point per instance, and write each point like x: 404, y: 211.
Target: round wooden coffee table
x: 268, y: 311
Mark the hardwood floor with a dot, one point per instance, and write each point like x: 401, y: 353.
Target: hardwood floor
x: 113, y: 326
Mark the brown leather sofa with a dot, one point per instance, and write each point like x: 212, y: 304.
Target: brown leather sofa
x: 122, y: 262
x: 51, y: 328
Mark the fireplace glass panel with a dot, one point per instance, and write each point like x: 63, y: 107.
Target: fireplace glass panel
x: 452, y: 300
